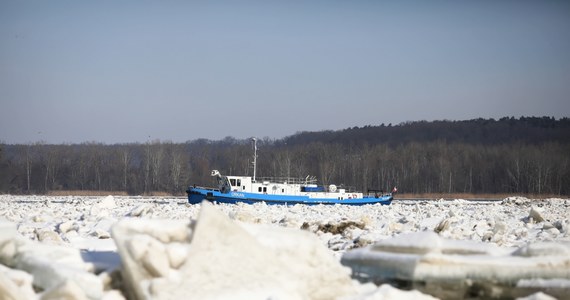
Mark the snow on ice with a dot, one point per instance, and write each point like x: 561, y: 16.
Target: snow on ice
x: 161, y: 248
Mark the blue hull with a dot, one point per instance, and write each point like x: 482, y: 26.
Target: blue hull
x: 197, y: 194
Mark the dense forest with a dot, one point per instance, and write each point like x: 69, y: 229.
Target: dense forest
x: 528, y: 155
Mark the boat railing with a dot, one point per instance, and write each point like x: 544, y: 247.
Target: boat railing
x: 348, y: 188
x: 378, y: 193
x: 204, y: 188
x: 289, y: 180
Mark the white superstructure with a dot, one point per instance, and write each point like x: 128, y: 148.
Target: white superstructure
x: 282, y: 186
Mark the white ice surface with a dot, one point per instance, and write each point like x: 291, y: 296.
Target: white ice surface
x: 83, y: 222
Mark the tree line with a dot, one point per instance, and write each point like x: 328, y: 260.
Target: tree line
x: 525, y: 155
x: 507, y: 130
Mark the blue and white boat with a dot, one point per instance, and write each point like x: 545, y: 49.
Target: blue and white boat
x: 287, y: 191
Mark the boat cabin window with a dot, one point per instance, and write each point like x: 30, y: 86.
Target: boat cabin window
x: 235, y: 182
x: 264, y: 189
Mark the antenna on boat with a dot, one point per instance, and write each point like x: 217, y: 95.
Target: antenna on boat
x: 254, y: 156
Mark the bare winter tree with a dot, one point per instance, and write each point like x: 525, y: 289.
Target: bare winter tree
x: 156, y: 156
x: 28, y: 166
x: 175, y: 170
x: 147, y: 163
x: 126, y: 157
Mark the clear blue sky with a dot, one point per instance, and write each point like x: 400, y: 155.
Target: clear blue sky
x: 124, y: 71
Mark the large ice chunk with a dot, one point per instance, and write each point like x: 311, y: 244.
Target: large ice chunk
x: 218, y: 258
x: 459, y: 269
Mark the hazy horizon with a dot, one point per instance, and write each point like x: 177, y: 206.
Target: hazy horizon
x: 123, y: 72
x: 248, y: 138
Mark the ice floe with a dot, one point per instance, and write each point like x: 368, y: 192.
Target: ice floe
x: 163, y: 248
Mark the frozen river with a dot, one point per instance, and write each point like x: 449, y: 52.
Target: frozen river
x: 85, y: 223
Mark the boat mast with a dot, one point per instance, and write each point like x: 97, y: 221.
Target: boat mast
x: 254, y: 156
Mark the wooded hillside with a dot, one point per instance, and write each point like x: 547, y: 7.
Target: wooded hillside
x: 525, y: 155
